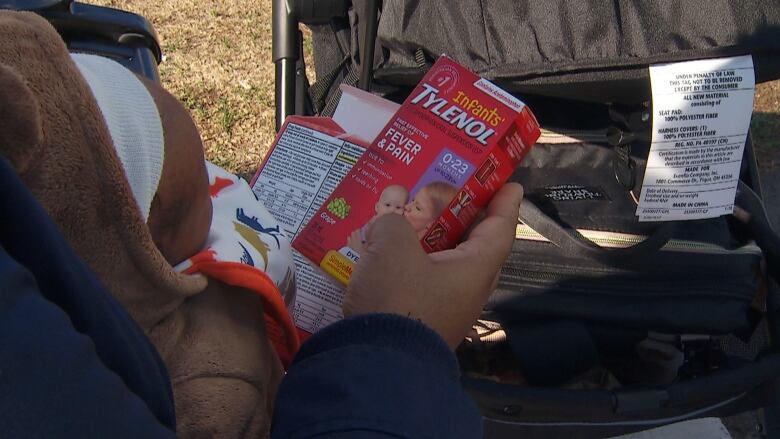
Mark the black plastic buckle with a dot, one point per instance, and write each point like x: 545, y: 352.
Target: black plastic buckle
x: 623, y: 165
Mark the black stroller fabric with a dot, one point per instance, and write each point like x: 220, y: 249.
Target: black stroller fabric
x: 558, y: 291
x: 704, y: 284
x: 563, y: 347
x: 578, y: 49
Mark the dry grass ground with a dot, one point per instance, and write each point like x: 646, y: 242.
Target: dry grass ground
x: 218, y: 62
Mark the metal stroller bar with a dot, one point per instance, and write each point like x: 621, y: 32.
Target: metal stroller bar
x: 286, y: 14
x: 285, y: 52
x: 370, y: 26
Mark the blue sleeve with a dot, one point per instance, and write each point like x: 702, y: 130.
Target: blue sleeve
x: 378, y: 376
x: 52, y: 382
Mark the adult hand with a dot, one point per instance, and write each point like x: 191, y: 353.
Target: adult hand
x: 355, y: 241
x: 444, y: 290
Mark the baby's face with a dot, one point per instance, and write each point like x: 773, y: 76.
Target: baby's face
x: 392, y: 200
x: 421, y: 212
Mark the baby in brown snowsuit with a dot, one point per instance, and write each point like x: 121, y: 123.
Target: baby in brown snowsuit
x: 133, y: 211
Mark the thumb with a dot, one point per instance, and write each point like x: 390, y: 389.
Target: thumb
x: 391, y: 234
x: 388, y: 268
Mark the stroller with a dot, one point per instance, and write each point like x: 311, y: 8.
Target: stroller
x: 721, y: 373
x: 588, y: 79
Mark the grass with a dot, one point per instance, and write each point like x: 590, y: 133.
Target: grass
x: 765, y: 125
x: 228, y: 118
x: 218, y: 63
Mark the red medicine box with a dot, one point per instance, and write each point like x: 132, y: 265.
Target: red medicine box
x: 438, y: 161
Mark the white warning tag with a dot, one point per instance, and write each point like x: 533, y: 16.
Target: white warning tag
x: 701, y: 117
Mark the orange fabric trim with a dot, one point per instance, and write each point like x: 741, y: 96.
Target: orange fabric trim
x: 277, y: 337
x: 250, y: 278
x: 207, y: 255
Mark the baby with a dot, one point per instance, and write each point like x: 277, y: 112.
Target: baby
x: 391, y: 200
x: 427, y: 205
x: 118, y: 164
